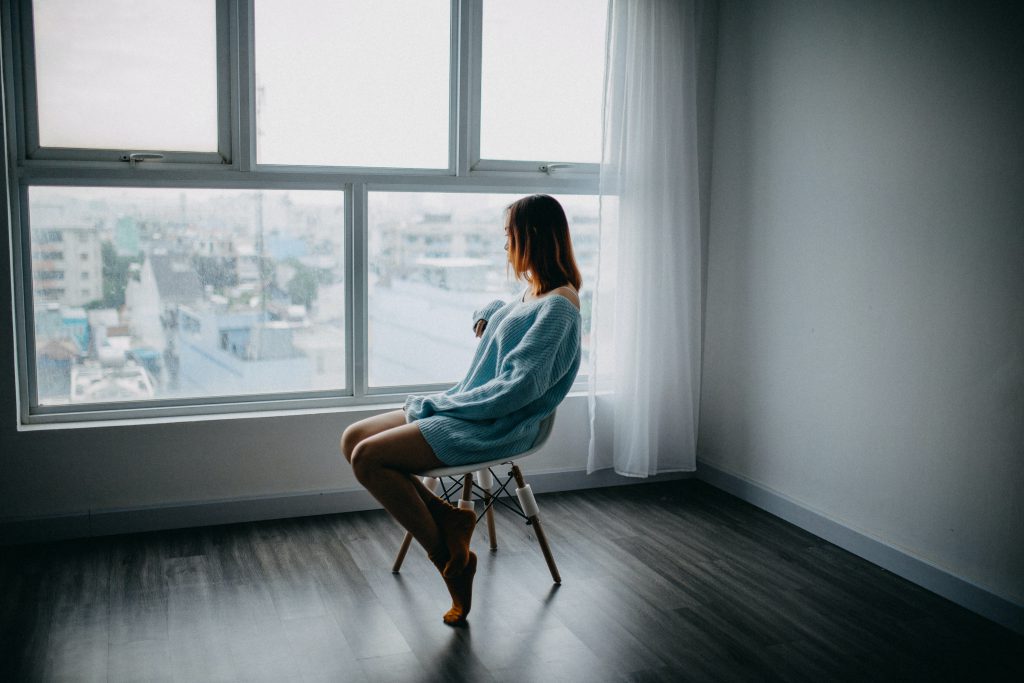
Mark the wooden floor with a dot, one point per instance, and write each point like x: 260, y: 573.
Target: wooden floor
x: 661, y: 582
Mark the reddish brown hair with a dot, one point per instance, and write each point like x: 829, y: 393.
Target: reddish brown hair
x: 539, y: 245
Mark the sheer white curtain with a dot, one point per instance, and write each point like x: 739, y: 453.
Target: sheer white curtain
x: 646, y: 326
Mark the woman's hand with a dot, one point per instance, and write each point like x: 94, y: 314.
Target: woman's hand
x: 478, y: 329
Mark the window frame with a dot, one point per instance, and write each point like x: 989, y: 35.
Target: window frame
x: 235, y: 167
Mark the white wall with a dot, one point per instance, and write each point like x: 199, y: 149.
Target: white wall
x: 864, y: 348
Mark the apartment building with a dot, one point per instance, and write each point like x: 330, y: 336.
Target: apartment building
x: 67, y: 266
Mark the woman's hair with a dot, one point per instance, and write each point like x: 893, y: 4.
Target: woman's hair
x: 539, y: 246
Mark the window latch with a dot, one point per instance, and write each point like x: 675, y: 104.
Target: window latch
x: 135, y: 157
x: 548, y: 168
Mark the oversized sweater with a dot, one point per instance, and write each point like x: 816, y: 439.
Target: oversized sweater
x: 524, y: 365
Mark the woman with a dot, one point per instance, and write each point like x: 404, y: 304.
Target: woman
x: 524, y: 365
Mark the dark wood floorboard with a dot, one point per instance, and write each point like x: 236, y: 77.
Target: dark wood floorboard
x: 662, y: 582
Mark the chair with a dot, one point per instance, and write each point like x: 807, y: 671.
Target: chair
x: 477, y: 482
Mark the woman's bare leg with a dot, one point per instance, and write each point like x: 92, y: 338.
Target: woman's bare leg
x: 372, y: 426
x: 377, y: 424
x: 384, y: 463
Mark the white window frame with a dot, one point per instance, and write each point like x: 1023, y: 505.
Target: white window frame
x: 234, y: 167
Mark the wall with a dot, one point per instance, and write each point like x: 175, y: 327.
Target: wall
x: 864, y: 345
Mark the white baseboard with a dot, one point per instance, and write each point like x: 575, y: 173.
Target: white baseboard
x: 108, y: 522
x: 921, y: 572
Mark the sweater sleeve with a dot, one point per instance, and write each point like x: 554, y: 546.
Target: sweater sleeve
x: 543, y: 355
x: 487, y: 311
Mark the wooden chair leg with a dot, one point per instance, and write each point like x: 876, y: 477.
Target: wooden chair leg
x: 533, y: 514
x: 542, y: 539
x: 401, y: 553
x: 485, y: 480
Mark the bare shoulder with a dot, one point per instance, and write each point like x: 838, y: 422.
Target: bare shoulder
x: 568, y: 292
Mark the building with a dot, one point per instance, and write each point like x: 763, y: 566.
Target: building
x: 222, y: 352
x: 67, y: 264
x: 164, y: 282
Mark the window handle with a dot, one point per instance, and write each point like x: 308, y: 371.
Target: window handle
x: 135, y: 157
x: 548, y: 168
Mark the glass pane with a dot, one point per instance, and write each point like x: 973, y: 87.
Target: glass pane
x: 165, y: 293
x: 127, y: 74
x: 353, y: 82
x: 541, y: 83
x: 434, y: 258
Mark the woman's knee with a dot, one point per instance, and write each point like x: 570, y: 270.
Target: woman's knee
x: 362, y: 459
x: 355, y: 433
x: 350, y: 438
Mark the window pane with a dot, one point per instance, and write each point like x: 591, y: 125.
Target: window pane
x: 353, y: 82
x: 434, y: 258
x: 541, y: 90
x: 162, y: 293
x: 127, y: 74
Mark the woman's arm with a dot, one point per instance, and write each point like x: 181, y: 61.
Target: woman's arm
x: 482, y: 316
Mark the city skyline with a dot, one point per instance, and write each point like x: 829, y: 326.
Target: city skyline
x: 238, y: 292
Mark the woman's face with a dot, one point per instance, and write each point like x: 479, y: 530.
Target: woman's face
x: 506, y: 237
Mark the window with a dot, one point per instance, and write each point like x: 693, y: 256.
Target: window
x: 392, y: 110
x: 277, y: 204
x: 538, y: 67
x: 207, y: 292
x: 434, y: 258
x: 153, y: 87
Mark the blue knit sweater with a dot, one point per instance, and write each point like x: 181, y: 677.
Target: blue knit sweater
x: 523, y: 367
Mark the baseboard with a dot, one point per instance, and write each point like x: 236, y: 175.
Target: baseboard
x: 252, y: 509
x: 916, y: 570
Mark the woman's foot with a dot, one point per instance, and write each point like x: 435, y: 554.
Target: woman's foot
x: 456, y: 526
x: 460, y: 586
